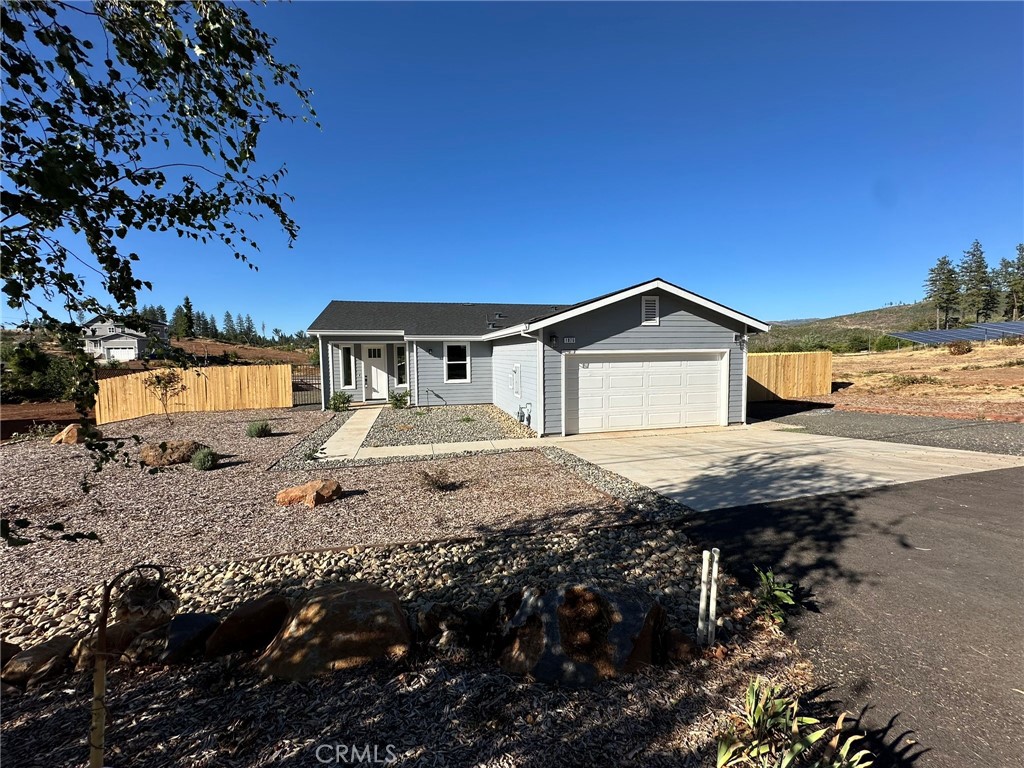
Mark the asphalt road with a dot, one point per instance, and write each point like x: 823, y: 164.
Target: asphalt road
x: 919, y: 590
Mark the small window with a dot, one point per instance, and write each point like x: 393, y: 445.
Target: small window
x: 649, y: 313
x: 400, y: 378
x: 347, y: 368
x: 517, y: 380
x: 374, y: 353
x: 456, y: 363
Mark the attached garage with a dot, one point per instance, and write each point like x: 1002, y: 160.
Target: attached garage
x: 608, y: 392
x: 120, y: 353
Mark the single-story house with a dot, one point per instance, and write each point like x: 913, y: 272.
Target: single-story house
x: 113, y: 340
x: 650, y: 356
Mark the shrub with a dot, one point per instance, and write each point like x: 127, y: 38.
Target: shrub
x: 204, y: 459
x: 399, y: 398
x: 1012, y: 341
x: 909, y: 379
x: 467, y: 419
x: 1011, y: 363
x: 258, y: 429
x: 775, y: 598
x: 960, y: 347
x: 340, y: 401
x: 885, y: 343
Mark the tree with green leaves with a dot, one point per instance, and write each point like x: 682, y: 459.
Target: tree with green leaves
x: 178, y: 322
x: 943, y: 288
x: 161, y: 313
x: 1010, y: 280
x: 121, y: 119
x: 979, y: 298
x: 229, y: 327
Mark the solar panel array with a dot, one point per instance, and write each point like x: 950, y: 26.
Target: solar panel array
x: 976, y: 332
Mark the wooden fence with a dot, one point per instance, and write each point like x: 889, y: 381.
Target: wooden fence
x: 221, y: 388
x: 788, y: 375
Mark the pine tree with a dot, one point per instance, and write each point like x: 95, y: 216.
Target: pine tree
x: 979, y: 299
x: 229, y: 327
x: 202, y: 325
x: 943, y: 288
x: 1010, y: 277
x: 250, y: 329
x: 239, y: 327
x: 178, y: 324
x: 214, y: 333
x: 161, y: 313
x: 190, y: 318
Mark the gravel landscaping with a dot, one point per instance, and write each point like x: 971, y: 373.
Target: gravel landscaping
x: 986, y: 436
x: 443, y: 424
x: 449, y: 708
x: 185, y: 517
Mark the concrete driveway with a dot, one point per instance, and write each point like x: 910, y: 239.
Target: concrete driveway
x: 758, y: 464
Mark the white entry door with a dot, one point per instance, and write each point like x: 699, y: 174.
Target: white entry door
x: 644, y: 391
x: 375, y: 373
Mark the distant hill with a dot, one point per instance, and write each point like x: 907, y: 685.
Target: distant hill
x: 201, y: 348
x: 846, y: 333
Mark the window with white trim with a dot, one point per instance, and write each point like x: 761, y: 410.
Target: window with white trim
x: 346, y: 367
x: 649, y: 314
x: 401, y: 379
x: 456, y: 363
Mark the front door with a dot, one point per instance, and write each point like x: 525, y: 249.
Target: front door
x: 375, y: 373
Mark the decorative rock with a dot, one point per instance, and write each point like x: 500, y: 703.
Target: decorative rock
x: 73, y: 434
x: 144, y: 606
x: 7, y: 652
x: 168, y: 452
x: 679, y: 647
x: 187, y: 635
x: 578, y: 635
x: 312, y: 494
x: 35, y: 664
x: 338, y: 627
x: 250, y: 627
x: 119, y: 636
x: 148, y: 647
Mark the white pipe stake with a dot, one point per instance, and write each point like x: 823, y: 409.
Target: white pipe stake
x: 702, y: 615
x: 713, y: 599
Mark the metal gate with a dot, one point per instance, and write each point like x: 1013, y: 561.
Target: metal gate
x: 306, y: 385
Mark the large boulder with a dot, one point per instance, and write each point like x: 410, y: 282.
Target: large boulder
x: 120, y: 635
x: 576, y: 635
x: 312, y: 494
x: 7, y: 652
x: 250, y: 627
x: 73, y: 434
x: 35, y: 664
x: 338, y: 627
x: 187, y: 635
x: 168, y: 452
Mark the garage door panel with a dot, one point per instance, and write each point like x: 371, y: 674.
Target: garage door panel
x: 625, y: 382
x: 625, y: 421
x: 656, y: 399
x: 635, y: 400
x: 645, y: 391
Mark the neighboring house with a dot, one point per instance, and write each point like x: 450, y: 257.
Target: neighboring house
x: 650, y: 356
x: 113, y: 340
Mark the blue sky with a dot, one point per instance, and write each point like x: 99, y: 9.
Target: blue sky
x: 789, y: 160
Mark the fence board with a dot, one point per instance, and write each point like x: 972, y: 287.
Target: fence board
x: 220, y: 388
x: 788, y: 375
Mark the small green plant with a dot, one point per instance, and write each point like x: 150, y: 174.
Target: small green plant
x: 769, y: 732
x: 203, y: 460
x: 774, y: 597
x: 311, y: 454
x: 258, y: 429
x: 467, y: 419
x: 399, y: 398
x: 960, y: 347
x: 420, y: 412
x: 37, y: 432
x: 166, y: 385
x: 910, y: 379
x: 340, y: 401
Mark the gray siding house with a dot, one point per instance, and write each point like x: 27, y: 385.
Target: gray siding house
x: 650, y: 356
x: 113, y: 340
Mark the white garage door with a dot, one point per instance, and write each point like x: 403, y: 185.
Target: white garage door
x: 120, y: 353
x: 643, y: 391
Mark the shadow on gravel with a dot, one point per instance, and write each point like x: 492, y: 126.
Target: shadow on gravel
x: 775, y: 409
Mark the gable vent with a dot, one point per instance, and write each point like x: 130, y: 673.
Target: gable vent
x: 649, y: 311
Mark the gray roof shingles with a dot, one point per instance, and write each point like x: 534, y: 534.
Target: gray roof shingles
x: 420, y: 318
